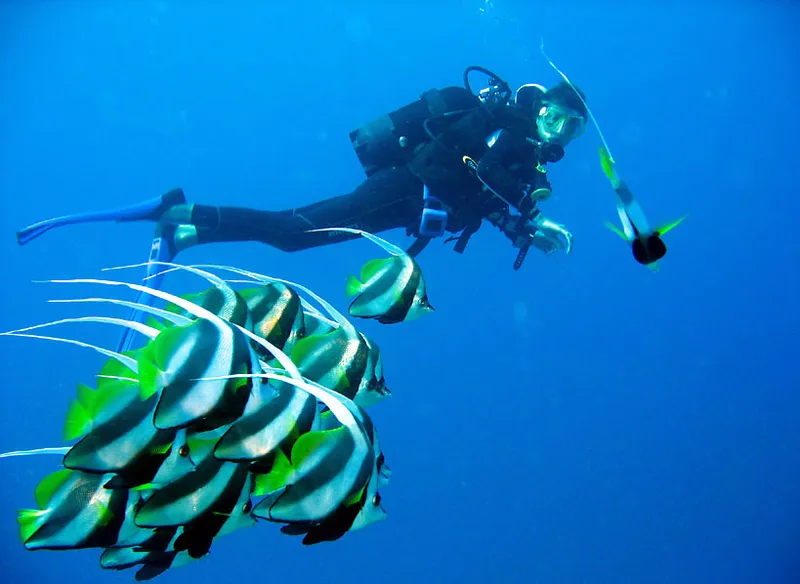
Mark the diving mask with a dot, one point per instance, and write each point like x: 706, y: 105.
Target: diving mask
x: 559, y: 124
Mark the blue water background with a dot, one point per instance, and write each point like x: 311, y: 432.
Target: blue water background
x: 582, y: 420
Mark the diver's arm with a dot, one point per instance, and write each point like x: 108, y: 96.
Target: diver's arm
x: 513, y: 149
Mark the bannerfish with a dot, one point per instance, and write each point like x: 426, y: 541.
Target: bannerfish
x: 75, y: 511
x: 390, y: 290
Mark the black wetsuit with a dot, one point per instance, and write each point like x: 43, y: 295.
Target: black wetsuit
x: 392, y: 197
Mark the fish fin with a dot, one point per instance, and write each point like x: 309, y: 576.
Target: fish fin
x: 78, y: 421
x: 670, y: 226
x: 305, y: 346
x: 198, y: 298
x: 326, y: 417
x: 372, y: 267
x: 309, y: 442
x: 616, y: 230
x: 356, y: 498
x: 238, y: 384
x: 353, y: 286
x: 153, y: 322
x: 295, y: 528
x: 87, y: 397
x: 379, y: 241
x: 49, y: 485
x: 161, y: 449
x: 27, y: 520
x: 145, y: 487
x: 153, y: 358
x: 109, y: 390
x: 106, y: 515
x: 248, y: 293
x: 607, y: 162
x: 263, y: 510
x: 62, y: 450
x: 113, y: 368
x: 276, y: 478
x: 167, y: 343
x: 149, y: 374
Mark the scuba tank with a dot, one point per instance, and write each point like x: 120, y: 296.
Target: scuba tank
x: 394, y: 138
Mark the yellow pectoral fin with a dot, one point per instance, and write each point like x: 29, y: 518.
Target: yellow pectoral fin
x: 49, y: 485
x: 608, y: 166
x: 670, y: 226
x: 353, y: 286
x: 28, y: 520
x: 616, y: 230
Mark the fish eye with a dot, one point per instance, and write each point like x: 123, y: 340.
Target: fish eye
x: 184, y: 450
x: 247, y: 507
x: 376, y: 500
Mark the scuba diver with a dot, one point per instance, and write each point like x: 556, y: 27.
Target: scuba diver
x: 442, y: 164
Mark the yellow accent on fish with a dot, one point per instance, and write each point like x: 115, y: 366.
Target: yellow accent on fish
x: 28, y: 522
x: 276, y: 478
x: 608, y: 165
x: 48, y: 487
x: 616, y: 230
x: 352, y: 286
x: 670, y: 226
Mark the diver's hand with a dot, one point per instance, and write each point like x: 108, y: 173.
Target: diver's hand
x: 539, y: 232
x: 550, y: 236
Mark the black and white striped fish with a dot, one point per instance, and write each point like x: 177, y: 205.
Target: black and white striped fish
x: 169, y: 547
x: 273, y: 419
x: 339, y: 358
x: 276, y: 313
x: 209, y: 488
x: 362, y: 510
x: 390, y: 290
x: 75, y: 511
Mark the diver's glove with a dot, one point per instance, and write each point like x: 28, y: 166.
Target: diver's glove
x: 538, y: 232
x: 550, y: 236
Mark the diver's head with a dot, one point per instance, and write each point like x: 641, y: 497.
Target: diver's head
x: 562, y: 115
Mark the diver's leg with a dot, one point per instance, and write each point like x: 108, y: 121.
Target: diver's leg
x: 388, y: 199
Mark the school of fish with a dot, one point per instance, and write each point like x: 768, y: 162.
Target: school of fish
x: 246, y: 402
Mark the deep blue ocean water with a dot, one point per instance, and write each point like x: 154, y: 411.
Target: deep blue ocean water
x: 583, y: 420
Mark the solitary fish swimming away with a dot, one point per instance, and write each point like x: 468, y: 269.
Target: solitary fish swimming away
x: 646, y: 243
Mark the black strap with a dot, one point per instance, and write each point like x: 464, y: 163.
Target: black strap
x: 523, y: 252
x: 419, y: 244
x: 473, y: 225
